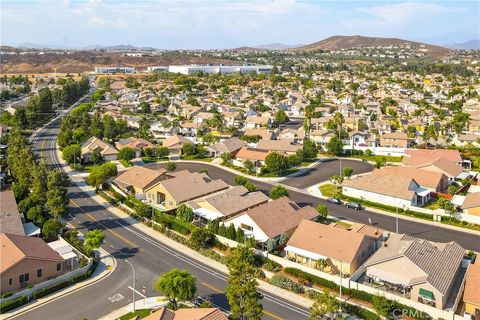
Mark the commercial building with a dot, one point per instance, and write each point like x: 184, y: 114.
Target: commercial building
x: 221, y: 69
x: 114, y: 70
x: 157, y: 68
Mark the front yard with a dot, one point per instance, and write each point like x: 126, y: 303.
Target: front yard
x: 330, y: 190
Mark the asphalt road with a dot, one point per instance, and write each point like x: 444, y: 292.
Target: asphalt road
x: 322, y: 171
x: 149, y: 257
x: 416, y: 229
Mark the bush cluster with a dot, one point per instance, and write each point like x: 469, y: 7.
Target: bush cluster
x: 286, y: 283
x: 12, y: 304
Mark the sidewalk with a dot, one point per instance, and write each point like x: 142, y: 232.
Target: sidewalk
x: 147, y: 303
x: 104, y: 268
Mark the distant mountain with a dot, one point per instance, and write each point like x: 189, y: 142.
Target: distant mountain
x: 278, y: 46
x: 346, y: 42
x: 469, y: 45
x: 30, y: 45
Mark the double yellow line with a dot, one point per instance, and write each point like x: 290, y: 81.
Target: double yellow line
x: 130, y: 243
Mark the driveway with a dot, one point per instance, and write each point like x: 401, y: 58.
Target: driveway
x: 324, y: 170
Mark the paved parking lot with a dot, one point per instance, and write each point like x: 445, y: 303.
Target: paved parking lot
x: 324, y: 170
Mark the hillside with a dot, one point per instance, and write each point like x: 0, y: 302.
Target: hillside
x: 346, y: 42
x: 86, y: 61
x: 469, y: 45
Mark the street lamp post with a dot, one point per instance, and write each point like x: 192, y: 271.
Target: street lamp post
x: 341, y: 278
x: 133, y: 283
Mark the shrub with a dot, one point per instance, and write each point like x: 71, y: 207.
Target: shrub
x: 286, y: 283
x: 267, y: 264
x: 12, y: 304
x: 45, y: 291
x: 6, y: 295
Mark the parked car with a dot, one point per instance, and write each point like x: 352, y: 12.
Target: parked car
x: 354, y: 205
x: 334, y: 200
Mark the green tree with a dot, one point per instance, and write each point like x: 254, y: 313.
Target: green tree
x: 322, y: 211
x: 309, y: 149
x: 250, y: 186
x: 278, y: 191
x: 177, y: 285
x: 325, y: 304
x: 242, y: 284
x: 347, y: 172
x: 247, y: 164
x: 201, y: 238
x: 162, y: 152
x: 71, y: 153
x: 171, y: 166
x: 276, y: 163
x: 281, y: 117
x: 57, y: 201
x: 240, y: 180
x: 145, y: 107
x: 99, y: 174
x: 184, y: 213
x: 126, y: 153
x: 188, y: 149
x: 283, y: 239
x: 79, y: 135
x: 335, y: 146
x: 35, y: 214
x: 93, y: 240
x: 51, y: 228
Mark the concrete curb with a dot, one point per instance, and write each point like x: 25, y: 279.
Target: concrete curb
x: 69, y: 290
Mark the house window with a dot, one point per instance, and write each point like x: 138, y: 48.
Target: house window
x: 246, y: 227
x: 10, y: 281
x: 59, y: 266
x: 27, y: 277
x: 39, y: 273
x: 21, y: 278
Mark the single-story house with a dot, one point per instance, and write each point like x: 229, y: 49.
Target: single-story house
x: 471, y: 204
x: 104, y: 149
x: 292, y: 135
x: 137, y: 179
x: 26, y: 261
x: 175, y: 144
x: 11, y: 220
x: 258, y: 122
x: 227, y: 203
x: 393, y: 190
x: 280, y: 146
x: 230, y: 146
x: 170, y: 193
x: 256, y: 156
x: 187, y: 314
x: 137, y: 144
x: 435, y: 181
x: 263, y: 133
x: 424, y: 271
x: 340, y: 247
x: 270, y: 220
x: 415, y: 157
x: 471, y: 295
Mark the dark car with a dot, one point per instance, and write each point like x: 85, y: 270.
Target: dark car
x: 334, y: 200
x: 354, y: 205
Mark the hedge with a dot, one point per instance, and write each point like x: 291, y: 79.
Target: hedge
x: 267, y: 264
x: 12, y: 304
x: 46, y: 291
x: 6, y: 295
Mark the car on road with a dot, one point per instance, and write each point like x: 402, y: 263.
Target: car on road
x: 354, y: 206
x: 334, y: 200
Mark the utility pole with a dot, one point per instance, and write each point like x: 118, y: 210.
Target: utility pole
x: 341, y: 278
x: 133, y: 284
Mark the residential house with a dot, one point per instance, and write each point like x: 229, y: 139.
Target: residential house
x: 322, y: 137
x: 392, y: 189
x: 97, y: 146
x: 442, y: 165
x: 362, y: 139
x: 280, y: 146
x: 170, y: 193
x: 227, y: 203
x: 434, y: 181
x: 175, y: 144
x: 295, y: 136
x: 263, y: 133
x: 471, y: 204
x: 11, y: 220
x: 340, y: 247
x: 230, y: 146
x: 395, y: 140
x: 137, y: 144
x: 258, y: 122
x: 424, y: 271
x: 471, y: 295
x: 187, y: 314
x: 160, y: 129
x: 137, y: 179
x: 416, y: 156
x: 270, y: 220
x: 26, y: 261
x: 256, y: 156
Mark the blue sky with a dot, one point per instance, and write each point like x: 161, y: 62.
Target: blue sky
x: 207, y: 24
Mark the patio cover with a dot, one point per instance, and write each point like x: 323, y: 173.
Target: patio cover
x: 398, y: 271
x: 207, y: 214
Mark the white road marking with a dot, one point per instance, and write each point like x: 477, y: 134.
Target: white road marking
x: 137, y: 292
x: 116, y: 297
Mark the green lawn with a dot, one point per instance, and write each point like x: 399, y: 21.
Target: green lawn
x: 329, y: 190
x: 276, y: 175
x: 153, y: 159
x: 379, y: 158
x: 142, y: 313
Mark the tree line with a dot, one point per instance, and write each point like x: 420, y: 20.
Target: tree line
x: 40, y: 191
